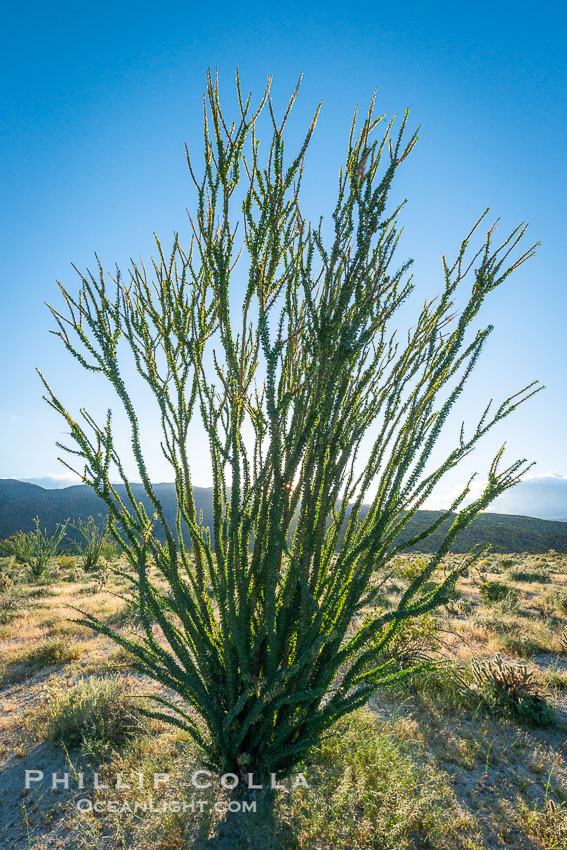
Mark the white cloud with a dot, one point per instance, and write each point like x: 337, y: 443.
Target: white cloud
x: 54, y: 481
x: 542, y: 495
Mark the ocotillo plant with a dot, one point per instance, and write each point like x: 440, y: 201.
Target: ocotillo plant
x: 264, y: 628
x: 35, y: 548
x: 94, y: 536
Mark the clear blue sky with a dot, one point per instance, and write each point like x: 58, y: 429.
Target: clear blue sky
x: 98, y: 100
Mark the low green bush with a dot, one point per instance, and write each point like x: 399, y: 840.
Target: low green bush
x: 109, y: 551
x: 371, y: 788
x: 547, y: 823
x: 56, y: 650
x: 8, y: 573
x: 66, y: 562
x: 435, y: 685
x: 527, y: 574
x: 510, y: 606
x: 521, y: 643
x: 496, y: 591
x: 507, y: 562
x: 95, y: 715
x: 11, y: 606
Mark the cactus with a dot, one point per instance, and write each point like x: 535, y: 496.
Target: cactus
x: 507, y: 688
x: 514, y: 679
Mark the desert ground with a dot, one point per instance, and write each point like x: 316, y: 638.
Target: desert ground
x: 469, y: 753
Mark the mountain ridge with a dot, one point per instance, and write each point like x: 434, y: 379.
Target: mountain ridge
x: 21, y: 501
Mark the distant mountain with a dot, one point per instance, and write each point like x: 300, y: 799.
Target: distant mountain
x: 20, y: 502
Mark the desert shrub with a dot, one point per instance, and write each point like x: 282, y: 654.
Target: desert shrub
x: 393, y: 797
x: 95, y: 714
x: 528, y: 574
x: 35, y: 548
x: 67, y: 562
x: 507, y: 562
x: 56, y: 650
x: 521, y: 642
x: 6, y: 581
x: 8, y: 573
x: 510, y: 605
x: 535, y: 711
x: 547, y: 824
x: 11, y: 606
x: 496, y: 591
x: 557, y: 679
x: 36, y: 591
x: 550, y: 601
x: 461, y: 607
x: 507, y: 689
x: 494, y: 621
x: 75, y: 574
x: 409, y: 568
x: 434, y: 686
x: 414, y: 642
x: 109, y: 551
x: 557, y: 563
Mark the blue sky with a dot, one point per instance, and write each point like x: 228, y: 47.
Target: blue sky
x: 98, y: 101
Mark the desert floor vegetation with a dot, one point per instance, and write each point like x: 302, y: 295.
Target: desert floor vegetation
x: 466, y: 754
